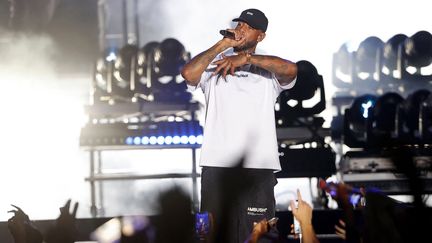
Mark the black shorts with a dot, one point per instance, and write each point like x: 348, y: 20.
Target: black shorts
x: 237, y: 197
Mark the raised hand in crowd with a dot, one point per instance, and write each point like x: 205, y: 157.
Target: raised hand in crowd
x: 22, y: 229
x: 64, y: 230
x: 340, y: 229
x: 303, y: 213
x: 264, y: 229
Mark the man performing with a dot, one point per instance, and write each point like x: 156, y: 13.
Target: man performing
x: 240, y: 88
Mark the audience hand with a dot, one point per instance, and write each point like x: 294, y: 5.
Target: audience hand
x: 303, y: 213
x: 22, y: 229
x: 340, y: 229
x: 258, y: 230
x: 64, y: 231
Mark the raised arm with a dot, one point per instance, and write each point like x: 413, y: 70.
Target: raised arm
x: 193, y: 70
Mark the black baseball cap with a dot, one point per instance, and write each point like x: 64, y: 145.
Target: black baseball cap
x: 253, y: 17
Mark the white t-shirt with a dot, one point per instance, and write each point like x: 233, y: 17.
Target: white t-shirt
x: 240, y: 119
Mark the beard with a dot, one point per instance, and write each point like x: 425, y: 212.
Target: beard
x: 245, y: 46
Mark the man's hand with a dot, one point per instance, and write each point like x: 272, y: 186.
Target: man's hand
x: 239, y: 38
x: 228, y: 64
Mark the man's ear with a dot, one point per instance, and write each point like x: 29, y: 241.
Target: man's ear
x: 261, y: 36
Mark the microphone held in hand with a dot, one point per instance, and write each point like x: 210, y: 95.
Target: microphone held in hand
x: 227, y: 34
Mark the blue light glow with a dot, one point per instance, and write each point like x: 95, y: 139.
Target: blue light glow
x: 184, y: 139
x: 192, y: 139
x: 176, y: 140
x: 153, y: 140
x: 165, y: 140
x: 111, y: 57
x: 145, y: 140
x: 168, y: 140
x: 199, y: 139
x: 137, y: 141
x: 366, y: 107
x: 129, y: 141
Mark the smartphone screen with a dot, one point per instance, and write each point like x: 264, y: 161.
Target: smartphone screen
x: 202, y: 224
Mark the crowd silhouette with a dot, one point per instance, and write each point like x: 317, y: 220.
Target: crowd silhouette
x: 382, y: 219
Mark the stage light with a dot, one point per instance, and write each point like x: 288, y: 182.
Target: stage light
x: 390, y: 56
x: 168, y: 140
x: 184, y: 139
x: 342, y: 67
x: 192, y: 139
x: 137, y: 141
x: 129, y: 140
x: 160, y: 140
x: 426, y: 121
x: 362, y: 107
x: 146, y: 70
x: 145, y: 140
x: 111, y: 57
x: 169, y: 58
x: 410, y: 119
x: 417, y: 54
x: 356, y: 120
x: 199, y: 139
x: 125, y: 72
x: 384, y: 120
x: 176, y: 140
x: 366, y: 60
x: 155, y: 133
x: 103, y: 76
x: 153, y: 140
x: 308, y: 83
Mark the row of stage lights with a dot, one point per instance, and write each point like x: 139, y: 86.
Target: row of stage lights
x: 401, y: 64
x: 147, y: 74
x: 165, y: 140
x: 389, y: 120
x: 142, y: 133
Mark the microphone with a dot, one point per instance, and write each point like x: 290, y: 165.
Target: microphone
x: 227, y: 34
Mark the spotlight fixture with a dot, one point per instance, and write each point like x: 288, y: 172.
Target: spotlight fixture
x: 389, y: 59
x: 342, y: 70
x: 383, y: 131
x: 356, y: 120
x: 307, y: 84
x: 169, y: 58
x: 103, y: 76
x: 125, y: 72
x: 425, y: 120
x: 147, y: 70
x: 417, y: 55
x: 411, y: 118
x: 366, y: 62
